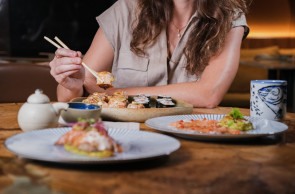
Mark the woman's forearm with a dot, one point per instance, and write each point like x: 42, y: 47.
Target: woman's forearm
x: 65, y: 95
x: 191, y: 92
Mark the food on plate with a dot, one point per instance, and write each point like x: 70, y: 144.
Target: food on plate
x: 105, y: 79
x: 135, y: 105
x: 233, y: 123
x: 165, y: 103
x: 120, y: 94
x: 142, y: 99
x: 118, y: 102
x: 89, y: 138
x: 122, y: 100
x: 100, y: 99
x: 164, y: 97
x: 235, y: 120
x: 202, y: 126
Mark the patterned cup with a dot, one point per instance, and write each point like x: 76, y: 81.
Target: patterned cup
x: 268, y: 99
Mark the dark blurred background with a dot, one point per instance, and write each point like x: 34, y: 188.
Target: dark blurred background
x: 25, y: 23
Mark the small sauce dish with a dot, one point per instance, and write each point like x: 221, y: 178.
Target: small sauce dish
x: 80, y: 110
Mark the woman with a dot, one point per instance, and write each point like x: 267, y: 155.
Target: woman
x: 187, y: 49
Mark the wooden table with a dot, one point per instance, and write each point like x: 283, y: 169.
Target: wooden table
x: 278, y: 69
x: 263, y: 165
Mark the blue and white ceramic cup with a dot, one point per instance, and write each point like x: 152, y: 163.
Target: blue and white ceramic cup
x: 268, y: 99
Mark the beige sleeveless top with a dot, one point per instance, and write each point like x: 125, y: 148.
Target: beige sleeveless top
x: 131, y: 70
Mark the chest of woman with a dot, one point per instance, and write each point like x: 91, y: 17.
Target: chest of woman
x: 153, y: 69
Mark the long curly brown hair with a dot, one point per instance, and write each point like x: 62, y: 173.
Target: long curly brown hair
x: 212, y: 24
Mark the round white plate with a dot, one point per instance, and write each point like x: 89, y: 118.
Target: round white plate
x: 137, y: 145
x: 262, y: 127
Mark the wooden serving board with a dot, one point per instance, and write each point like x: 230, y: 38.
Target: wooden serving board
x: 141, y: 115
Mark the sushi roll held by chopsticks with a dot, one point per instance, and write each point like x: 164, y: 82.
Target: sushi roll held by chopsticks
x: 106, y: 79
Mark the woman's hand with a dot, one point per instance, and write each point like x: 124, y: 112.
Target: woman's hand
x: 67, y: 70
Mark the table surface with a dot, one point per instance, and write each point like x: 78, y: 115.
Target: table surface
x: 263, y: 165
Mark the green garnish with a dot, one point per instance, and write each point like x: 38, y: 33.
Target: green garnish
x: 230, y: 122
x: 80, y: 119
x: 236, y: 114
x: 90, y: 120
x: 235, y: 120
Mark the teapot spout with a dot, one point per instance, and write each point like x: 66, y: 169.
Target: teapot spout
x: 59, y: 106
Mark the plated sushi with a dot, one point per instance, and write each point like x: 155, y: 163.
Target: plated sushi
x: 164, y: 102
x: 89, y: 138
x: 122, y: 100
x: 142, y: 99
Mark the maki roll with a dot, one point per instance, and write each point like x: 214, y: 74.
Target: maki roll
x: 165, y: 103
x: 148, y: 96
x: 164, y: 97
x: 142, y: 100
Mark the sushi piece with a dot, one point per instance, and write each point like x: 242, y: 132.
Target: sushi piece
x: 89, y: 139
x: 122, y: 93
x: 118, y: 102
x: 135, y: 105
x: 148, y: 96
x: 100, y: 99
x: 105, y: 79
x: 165, y: 103
x: 164, y: 97
x: 142, y: 100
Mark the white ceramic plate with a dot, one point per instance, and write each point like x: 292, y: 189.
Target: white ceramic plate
x: 137, y: 145
x: 262, y: 127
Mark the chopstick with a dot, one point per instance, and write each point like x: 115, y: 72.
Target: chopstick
x: 53, y: 43
x: 61, y: 43
x: 88, y: 68
x: 94, y: 73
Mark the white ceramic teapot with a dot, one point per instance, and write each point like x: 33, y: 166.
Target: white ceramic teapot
x: 39, y: 113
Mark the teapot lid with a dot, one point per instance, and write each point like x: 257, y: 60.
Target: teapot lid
x: 38, y: 97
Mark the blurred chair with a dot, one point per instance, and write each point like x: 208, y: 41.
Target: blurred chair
x: 19, y: 80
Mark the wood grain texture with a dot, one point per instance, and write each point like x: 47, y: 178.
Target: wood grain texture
x: 263, y: 165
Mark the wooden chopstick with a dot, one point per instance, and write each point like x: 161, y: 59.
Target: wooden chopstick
x: 53, y: 43
x: 61, y: 43
x: 92, y: 71
x: 66, y: 47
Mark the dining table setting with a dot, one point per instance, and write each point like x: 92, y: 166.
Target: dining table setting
x: 153, y: 159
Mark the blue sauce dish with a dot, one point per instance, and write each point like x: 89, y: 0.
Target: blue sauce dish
x: 81, y: 110
x: 81, y: 105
